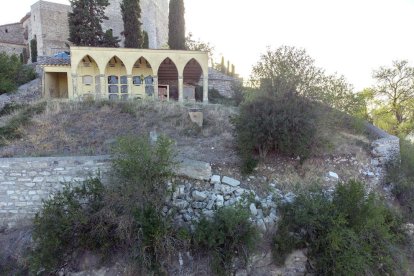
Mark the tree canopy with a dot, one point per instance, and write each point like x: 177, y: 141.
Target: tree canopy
x: 85, y: 21
x: 131, y: 15
x: 291, y: 70
x: 176, y: 25
x: 395, y: 90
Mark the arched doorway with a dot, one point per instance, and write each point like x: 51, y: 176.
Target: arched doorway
x: 168, y: 79
x: 193, y: 84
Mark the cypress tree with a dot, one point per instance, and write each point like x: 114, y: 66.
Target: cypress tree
x: 176, y: 25
x: 222, y: 66
x: 131, y: 15
x: 145, y: 44
x: 33, y: 49
x: 85, y: 21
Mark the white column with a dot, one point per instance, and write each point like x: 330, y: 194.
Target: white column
x: 155, y: 83
x: 205, y: 89
x: 102, y: 86
x: 129, y: 82
x: 75, y: 86
x: 180, y: 88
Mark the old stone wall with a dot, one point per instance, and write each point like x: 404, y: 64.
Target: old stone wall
x: 221, y: 82
x: 385, y: 149
x: 11, y: 49
x: 49, y: 24
x: 24, y: 182
x: 12, y: 33
x: 154, y: 18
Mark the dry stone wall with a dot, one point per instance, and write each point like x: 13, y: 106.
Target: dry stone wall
x: 24, y: 182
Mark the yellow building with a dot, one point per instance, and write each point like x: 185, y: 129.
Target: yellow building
x: 121, y: 73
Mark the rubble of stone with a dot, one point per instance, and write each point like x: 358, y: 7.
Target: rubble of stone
x: 191, y: 201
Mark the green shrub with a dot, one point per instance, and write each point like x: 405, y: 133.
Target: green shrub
x: 228, y: 235
x: 346, y: 233
x: 401, y: 175
x: 65, y: 224
x: 284, y: 123
x: 13, y: 73
x: 141, y: 169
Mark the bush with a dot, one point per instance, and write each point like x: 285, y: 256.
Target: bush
x: 346, y: 233
x: 141, y: 169
x: 13, y: 73
x: 123, y: 217
x: 284, y: 123
x: 66, y: 224
x: 228, y: 235
x: 401, y: 175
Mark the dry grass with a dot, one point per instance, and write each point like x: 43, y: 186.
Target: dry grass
x: 90, y: 128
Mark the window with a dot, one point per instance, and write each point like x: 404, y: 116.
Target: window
x: 149, y: 88
x: 113, y: 79
x: 117, y: 87
x: 136, y: 80
x: 87, y: 80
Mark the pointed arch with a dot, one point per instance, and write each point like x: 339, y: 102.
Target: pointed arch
x: 88, y: 81
x: 193, y: 84
x: 116, y: 79
x: 168, y: 76
x: 142, y: 78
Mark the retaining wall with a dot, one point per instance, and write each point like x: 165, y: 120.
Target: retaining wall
x: 24, y: 182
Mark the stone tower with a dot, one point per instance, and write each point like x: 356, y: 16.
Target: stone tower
x: 154, y: 18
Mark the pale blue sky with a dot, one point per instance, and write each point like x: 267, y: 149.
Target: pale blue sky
x: 351, y: 37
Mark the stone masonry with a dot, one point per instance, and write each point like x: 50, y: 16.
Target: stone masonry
x: 24, y: 182
x: 47, y: 22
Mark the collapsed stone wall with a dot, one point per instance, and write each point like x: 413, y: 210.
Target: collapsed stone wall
x: 221, y: 82
x: 385, y: 149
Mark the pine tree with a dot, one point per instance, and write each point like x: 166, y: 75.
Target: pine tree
x: 131, y: 15
x: 176, y: 25
x: 85, y: 21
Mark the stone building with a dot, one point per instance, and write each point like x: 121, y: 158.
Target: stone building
x: 47, y: 22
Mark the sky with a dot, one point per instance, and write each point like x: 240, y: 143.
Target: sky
x: 347, y: 37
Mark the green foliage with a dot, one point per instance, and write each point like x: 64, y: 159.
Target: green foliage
x: 65, y: 223
x: 13, y: 73
x: 145, y: 44
x: 122, y: 217
x: 33, y: 49
x: 176, y: 25
x: 401, y: 175
x: 198, y: 45
x: 283, y: 123
x: 85, y: 21
x: 155, y: 238
x: 288, y: 69
x: 142, y: 169
x: 131, y: 15
x: 11, y: 130
x: 109, y: 40
x: 345, y: 233
x: 395, y: 87
x: 228, y: 235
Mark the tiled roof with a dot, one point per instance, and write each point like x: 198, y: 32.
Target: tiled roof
x: 53, y: 61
